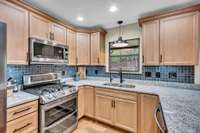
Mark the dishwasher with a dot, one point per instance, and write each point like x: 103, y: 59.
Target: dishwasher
x: 160, y: 120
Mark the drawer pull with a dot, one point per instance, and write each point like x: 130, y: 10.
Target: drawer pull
x: 25, y: 126
x: 26, y: 109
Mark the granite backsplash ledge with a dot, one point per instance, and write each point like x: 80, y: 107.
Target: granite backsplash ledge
x: 181, y: 74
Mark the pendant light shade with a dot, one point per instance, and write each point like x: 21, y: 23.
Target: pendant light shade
x: 120, y: 42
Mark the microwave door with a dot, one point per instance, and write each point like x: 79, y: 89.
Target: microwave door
x: 2, y: 77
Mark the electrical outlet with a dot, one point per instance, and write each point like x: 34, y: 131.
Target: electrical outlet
x: 172, y: 75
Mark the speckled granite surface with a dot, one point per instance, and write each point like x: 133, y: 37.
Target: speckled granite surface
x: 20, y: 98
x: 180, y: 105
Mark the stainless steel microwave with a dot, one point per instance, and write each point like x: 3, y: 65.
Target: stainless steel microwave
x: 47, y: 52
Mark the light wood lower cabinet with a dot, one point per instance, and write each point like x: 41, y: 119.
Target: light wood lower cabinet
x: 125, y: 114
x: 146, y: 109
x: 104, y: 108
x: 86, y: 102
x: 23, y: 118
x: 117, y: 111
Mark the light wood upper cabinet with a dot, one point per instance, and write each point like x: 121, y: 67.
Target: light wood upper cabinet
x: 179, y: 39
x: 71, y: 42
x: 151, y: 48
x: 104, y: 108
x: 59, y: 33
x: 39, y: 27
x: 97, y: 49
x: 83, y: 48
x: 16, y: 19
x: 89, y: 101
x: 147, y: 122
x: 125, y: 114
x: 171, y: 40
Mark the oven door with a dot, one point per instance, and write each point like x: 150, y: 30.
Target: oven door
x: 45, y: 52
x: 59, y: 116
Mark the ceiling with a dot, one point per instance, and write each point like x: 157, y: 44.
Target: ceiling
x: 96, y: 12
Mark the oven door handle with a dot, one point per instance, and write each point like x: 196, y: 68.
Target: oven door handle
x: 60, y: 121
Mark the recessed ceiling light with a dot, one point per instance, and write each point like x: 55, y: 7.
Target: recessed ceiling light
x: 80, y: 18
x: 113, y: 9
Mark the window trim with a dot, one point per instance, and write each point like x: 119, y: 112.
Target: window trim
x: 140, y: 57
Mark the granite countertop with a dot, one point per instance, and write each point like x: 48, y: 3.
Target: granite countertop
x: 20, y: 98
x: 180, y: 102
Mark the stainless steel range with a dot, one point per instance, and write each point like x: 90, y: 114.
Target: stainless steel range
x: 58, y: 102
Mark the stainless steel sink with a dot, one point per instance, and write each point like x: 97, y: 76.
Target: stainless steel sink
x: 119, y: 85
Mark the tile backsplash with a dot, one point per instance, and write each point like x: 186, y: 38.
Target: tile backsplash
x: 17, y: 71
x: 182, y: 74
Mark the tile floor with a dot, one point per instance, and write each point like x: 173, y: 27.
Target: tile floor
x: 89, y: 126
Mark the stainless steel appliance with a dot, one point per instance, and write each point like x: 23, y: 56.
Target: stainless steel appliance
x: 58, y: 102
x: 160, y: 120
x: 2, y: 77
x: 47, y: 52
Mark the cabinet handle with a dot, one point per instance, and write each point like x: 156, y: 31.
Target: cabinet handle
x: 113, y: 103
x: 143, y: 59
x: 23, y: 110
x: 51, y: 36
x: 25, y: 126
x: 98, y: 60
x: 161, y: 58
x: 157, y: 109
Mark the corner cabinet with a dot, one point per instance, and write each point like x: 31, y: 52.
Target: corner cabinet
x: 83, y: 48
x: 16, y: 19
x: 71, y: 42
x: 171, y: 40
x: 97, y: 48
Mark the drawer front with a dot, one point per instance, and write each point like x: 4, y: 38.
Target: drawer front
x: 21, y: 110
x: 25, y: 124
x: 117, y: 93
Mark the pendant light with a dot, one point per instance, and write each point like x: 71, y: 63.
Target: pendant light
x: 120, y: 42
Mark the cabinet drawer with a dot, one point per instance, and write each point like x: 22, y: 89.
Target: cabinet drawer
x: 25, y: 124
x: 116, y: 93
x: 21, y: 110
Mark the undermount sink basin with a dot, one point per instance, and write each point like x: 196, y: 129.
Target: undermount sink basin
x: 120, y: 85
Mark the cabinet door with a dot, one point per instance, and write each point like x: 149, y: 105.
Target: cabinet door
x: 104, y: 108
x: 146, y: 118
x: 59, y: 33
x: 39, y: 27
x: 89, y: 101
x: 125, y: 114
x: 83, y: 48
x: 151, y: 49
x: 179, y: 39
x: 16, y: 19
x: 97, y: 49
x: 81, y: 102
x: 71, y: 42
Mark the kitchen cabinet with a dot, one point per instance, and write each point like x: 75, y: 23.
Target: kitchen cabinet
x: 86, y: 102
x: 151, y: 48
x: 43, y: 28
x: 179, y: 39
x: 16, y: 19
x: 39, y: 27
x: 147, y: 105
x: 83, y: 48
x: 171, y: 40
x: 116, y: 108
x: 81, y: 102
x: 104, y: 108
x: 71, y: 42
x: 97, y: 48
x: 59, y: 33
x: 89, y: 101
x: 23, y: 118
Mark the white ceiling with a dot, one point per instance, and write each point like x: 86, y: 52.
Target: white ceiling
x: 96, y: 12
